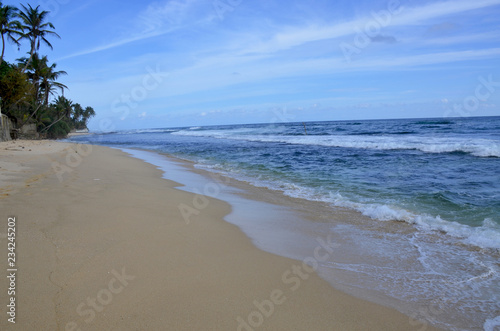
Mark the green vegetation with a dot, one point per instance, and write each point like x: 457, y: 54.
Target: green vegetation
x: 29, y: 88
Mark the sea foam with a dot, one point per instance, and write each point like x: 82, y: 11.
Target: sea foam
x: 485, y: 236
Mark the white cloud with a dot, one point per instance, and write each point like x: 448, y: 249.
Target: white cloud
x: 418, y: 15
x: 460, y: 39
x: 166, y: 15
x: 156, y: 20
x: 162, y: 18
x: 112, y: 45
x: 292, y: 37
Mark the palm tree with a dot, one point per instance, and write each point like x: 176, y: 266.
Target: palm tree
x: 35, y: 67
x: 88, y: 112
x: 43, y: 78
x: 8, y: 26
x: 63, y: 110
x: 48, y: 81
x: 81, y: 116
x: 35, y: 28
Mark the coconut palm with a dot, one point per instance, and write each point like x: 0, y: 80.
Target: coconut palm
x: 80, y: 116
x: 62, y: 109
x: 43, y: 78
x: 34, y: 67
x: 9, y: 27
x: 48, y: 82
x: 36, y: 29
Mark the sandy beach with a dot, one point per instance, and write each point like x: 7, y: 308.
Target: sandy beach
x: 101, y: 244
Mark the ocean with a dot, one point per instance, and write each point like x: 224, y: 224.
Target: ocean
x: 420, y: 199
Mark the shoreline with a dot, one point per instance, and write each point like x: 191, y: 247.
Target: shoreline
x: 447, y: 300
x: 296, y: 230
x: 111, y: 231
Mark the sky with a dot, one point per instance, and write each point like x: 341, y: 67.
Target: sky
x: 171, y: 63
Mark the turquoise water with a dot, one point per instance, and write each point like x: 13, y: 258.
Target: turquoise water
x: 440, y: 177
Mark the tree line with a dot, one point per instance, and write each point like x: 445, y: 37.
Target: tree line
x: 29, y: 89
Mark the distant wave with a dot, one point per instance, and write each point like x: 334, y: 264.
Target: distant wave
x: 140, y: 131
x: 476, y: 147
x: 155, y: 130
x: 444, y: 122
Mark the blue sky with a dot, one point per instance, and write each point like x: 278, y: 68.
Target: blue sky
x: 149, y: 64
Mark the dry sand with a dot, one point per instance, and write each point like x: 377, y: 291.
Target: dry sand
x: 101, y: 245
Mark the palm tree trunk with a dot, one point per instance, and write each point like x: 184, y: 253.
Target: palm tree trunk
x: 32, y: 52
x: 31, y: 116
x: 3, y: 48
x: 48, y: 127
